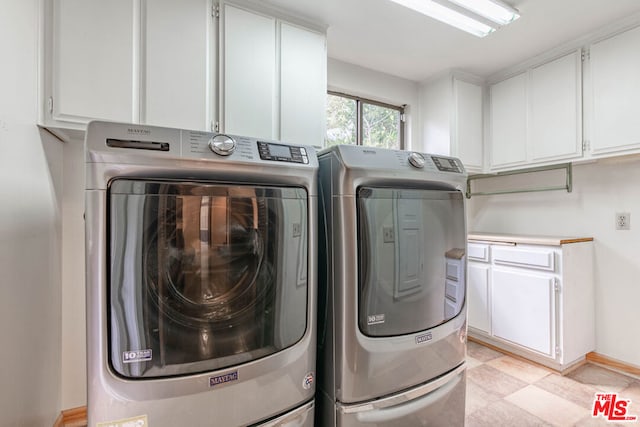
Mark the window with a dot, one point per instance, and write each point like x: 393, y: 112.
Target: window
x: 354, y: 120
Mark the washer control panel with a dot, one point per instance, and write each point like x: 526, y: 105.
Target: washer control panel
x: 282, y: 153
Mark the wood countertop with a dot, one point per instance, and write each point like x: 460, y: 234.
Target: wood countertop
x: 526, y: 239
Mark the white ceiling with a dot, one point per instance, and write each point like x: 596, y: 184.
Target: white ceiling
x: 383, y: 36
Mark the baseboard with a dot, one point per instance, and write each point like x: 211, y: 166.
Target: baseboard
x: 614, y: 364
x: 75, y: 417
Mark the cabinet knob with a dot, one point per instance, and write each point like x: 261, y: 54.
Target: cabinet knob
x: 222, y: 144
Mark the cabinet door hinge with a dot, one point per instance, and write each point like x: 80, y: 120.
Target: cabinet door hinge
x: 215, y: 11
x: 586, y: 55
x: 586, y: 145
x: 558, y: 351
x: 403, y: 117
x: 50, y: 104
x: 556, y: 285
x: 215, y: 126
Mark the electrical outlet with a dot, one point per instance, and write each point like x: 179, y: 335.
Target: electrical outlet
x: 623, y: 221
x: 387, y: 234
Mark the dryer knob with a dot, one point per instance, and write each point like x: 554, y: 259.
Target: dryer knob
x: 222, y: 144
x: 416, y: 160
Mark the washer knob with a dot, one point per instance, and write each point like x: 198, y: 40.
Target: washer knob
x: 416, y: 160
x: 222, y: 144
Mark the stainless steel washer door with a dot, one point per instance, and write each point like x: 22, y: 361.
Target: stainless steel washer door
x: 405, y: 238
x: 203, y: 276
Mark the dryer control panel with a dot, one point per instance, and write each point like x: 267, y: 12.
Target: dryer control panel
x: 282, y: 153
x: 447, y: 164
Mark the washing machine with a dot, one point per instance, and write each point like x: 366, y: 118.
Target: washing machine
x: 392, y: 288
x: 201, y: 278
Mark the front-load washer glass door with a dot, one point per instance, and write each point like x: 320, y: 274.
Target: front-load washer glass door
x: 202, y: 275
x: 411, y: 253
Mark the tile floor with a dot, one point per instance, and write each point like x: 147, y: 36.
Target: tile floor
x: 505, y: 391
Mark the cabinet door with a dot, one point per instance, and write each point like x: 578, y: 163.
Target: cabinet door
x: 615, y: 67
x: 523, y: 308
x: 303, y: 85
x: 509, y: 122
x: 468, y: 124
x: 478, y: 296
x: 93, y: 60
x: 555, y: 109
x: 249, y: 76
x: 178, y: 62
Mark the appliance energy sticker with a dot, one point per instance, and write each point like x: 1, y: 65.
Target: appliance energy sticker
x: 139, y: 421
x: 132, y: 356
x: 375, y: 319
x: 307, y: 382
x: 221, y: 379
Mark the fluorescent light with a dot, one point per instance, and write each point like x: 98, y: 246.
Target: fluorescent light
x: 496, y: 11
x: 448, y: 16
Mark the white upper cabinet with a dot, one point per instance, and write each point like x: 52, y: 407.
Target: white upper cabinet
x: 178, y: 64
x: 556, y: 109
x: 536, y: 116
x: 467, y: 127
x: 249, y: 76
x: 509, y: 122
x: 92, y: 61
x: 451, y: 117
x: 274, y: 78
x: 303, y: 85
x: 615, y: 71
x: 125, y: 60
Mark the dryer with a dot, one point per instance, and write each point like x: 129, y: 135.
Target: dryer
x: 392, y: 310
x: 201, y: 278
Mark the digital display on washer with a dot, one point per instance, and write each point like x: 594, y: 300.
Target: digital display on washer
x: 279, y: 150
x: 282, y: 153
x: 446, y: 164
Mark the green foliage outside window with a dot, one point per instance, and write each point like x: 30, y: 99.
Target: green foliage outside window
x: 380, y: 125
x: 341, y: 120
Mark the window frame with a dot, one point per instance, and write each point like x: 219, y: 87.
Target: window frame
x: 359, y: 107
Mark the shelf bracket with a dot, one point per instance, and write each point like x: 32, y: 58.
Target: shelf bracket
x: 568, y: 185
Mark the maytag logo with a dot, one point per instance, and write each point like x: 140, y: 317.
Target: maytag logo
x: 134, y: 131
x: 424, y: 338
x: 369, y: 151
x: 221, y: 379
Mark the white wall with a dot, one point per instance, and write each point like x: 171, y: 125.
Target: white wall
x: 30, y: 232
x: 74, y: 369
x: 600, y: 190
x: 358, y: 81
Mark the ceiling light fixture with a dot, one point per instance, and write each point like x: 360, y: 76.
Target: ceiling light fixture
x: 498, y: 12
x: 471, y: 19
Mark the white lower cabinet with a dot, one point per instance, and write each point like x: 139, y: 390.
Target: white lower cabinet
x: 523, y: 308
x: 536, y: 301
x: 478, y: 297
